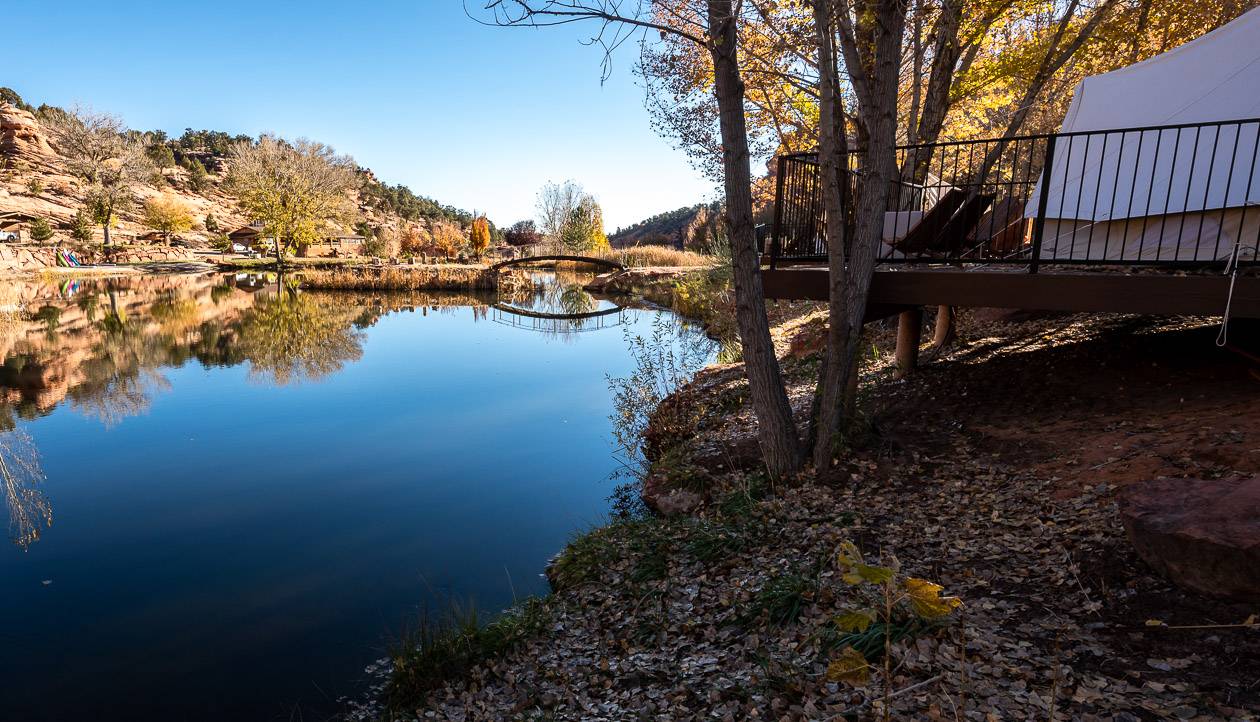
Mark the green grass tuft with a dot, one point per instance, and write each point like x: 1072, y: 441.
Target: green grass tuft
x: 436, y: 651
x: 781, y: 600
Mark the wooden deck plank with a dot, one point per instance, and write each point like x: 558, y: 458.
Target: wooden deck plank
x: 1155, y: 294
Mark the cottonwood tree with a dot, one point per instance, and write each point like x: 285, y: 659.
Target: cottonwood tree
x: 868, y: 34
x: 556, y: 204
x: 714, y: 26
x: 98, y: 150
x: 167, y: 214
x: 571, y: 218
x: 294, y: 189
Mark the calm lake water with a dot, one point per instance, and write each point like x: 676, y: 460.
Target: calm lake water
x: 222, y: 499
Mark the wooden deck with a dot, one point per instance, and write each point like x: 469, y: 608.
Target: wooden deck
x: 1153, y: 293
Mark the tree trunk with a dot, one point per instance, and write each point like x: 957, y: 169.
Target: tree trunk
x: 832, y: 161
x: 776, y: 430
x: 873, y: 64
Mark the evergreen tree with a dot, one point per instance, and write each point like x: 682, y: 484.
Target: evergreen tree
x: 197, y: 176
x: 81, y: 226
x: 40, y: 230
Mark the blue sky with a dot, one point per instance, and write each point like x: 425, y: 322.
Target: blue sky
x: 477, y: 117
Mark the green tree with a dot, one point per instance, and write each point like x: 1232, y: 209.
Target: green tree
x: 583, y: 232
x: 81, y: 226
x: 295, y: 189
x: 211, y: 223
x: 40, y: 230
x: 198, y: 178
x: 104, y: 207
x: 161, y: 155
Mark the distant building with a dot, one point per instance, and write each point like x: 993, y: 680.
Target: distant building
x: 335, y: 246
x: 245, y: 238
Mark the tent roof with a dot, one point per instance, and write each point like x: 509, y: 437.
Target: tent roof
x: 1213, y: 77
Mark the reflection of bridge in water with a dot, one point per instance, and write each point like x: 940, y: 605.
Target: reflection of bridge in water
x: 558, y: 323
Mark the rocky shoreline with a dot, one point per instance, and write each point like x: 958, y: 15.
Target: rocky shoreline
x: 966, y: 475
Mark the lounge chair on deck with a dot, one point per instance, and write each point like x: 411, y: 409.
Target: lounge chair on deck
x: 1003, y: 230
x: 946, y: 226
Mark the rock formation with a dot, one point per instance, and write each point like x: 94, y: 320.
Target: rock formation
x: 1204, y: 535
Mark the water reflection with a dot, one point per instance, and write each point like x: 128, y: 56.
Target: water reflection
x: 290, y: 336
x: 102, y: 346
x: 20, y: 474
x: 286, y: 476
x: 558, y: 307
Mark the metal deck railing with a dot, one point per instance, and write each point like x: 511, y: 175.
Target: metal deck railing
x: 1175, y: 195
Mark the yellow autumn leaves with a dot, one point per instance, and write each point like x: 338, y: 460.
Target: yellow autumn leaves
x: 893, y: 601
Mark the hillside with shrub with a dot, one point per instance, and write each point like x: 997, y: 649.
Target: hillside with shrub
x: 693, y: 228
x: 44, y: 199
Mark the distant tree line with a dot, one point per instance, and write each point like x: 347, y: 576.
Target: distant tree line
x: 403, y: 202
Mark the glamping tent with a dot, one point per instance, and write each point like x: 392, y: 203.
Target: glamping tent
x: 1163, y: 193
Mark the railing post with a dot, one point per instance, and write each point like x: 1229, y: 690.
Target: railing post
x: 1039, y: 223
x: 776, y: 226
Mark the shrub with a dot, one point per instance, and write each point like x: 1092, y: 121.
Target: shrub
x: 447, y: 238
x: 413, y: 240
x: 220, y: 242
x: 167, y: 214
x: 40, y: 230
x: 375, y: 246
x: 889, y: 607
x: 211, y: 223
x: 34, y: 186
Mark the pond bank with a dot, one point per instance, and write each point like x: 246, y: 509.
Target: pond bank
x: 444, y: 277
x: 729, y: 610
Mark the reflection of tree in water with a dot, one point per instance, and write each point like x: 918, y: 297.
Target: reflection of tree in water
x: 665, y: 360
x: 575, y: 300
x: 121, y: 372
x: 291, y: 336
x: 20, y: 475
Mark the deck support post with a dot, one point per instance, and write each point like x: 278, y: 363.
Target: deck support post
x: 909, y: 336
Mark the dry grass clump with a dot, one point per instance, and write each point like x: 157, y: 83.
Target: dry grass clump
x: 10, y: 312
x: 417, y: 278
x: 658, y: 256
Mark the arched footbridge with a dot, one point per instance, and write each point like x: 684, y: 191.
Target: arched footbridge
x: 601, y: 262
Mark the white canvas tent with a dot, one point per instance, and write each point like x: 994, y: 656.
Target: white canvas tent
x: 1174, y: 194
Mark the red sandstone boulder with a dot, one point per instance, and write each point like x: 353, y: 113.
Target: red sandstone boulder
x: 1203, y: 535
x: 21, y: 135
